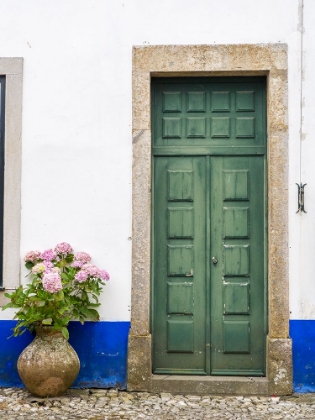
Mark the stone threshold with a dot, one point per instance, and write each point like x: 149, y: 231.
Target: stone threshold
x: 216, y: 385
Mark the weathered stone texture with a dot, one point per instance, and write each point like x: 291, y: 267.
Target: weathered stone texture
x: 139, y: 363
x: 210, y: 385
x: 141, y: 110
x: 279, y: 367
x: 140, y: 301
x: 172, y: 58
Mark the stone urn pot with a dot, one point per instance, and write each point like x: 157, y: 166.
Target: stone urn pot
x: 48, y: 365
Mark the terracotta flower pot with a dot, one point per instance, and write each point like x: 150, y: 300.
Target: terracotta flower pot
x: 48, y: 365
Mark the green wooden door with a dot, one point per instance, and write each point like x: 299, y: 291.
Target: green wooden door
x: 209, y: 227
x: 180, y: 264
x: 237, y: 278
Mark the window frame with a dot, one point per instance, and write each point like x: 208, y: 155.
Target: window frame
x: 11, y: 69
x: 2, y: 145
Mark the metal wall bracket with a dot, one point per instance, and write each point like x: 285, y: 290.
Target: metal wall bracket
x: 301, y: 198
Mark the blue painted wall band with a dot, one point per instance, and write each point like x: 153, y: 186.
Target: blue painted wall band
x: 303, y: 350
x: 101, y: 347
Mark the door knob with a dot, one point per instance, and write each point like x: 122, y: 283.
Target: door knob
x: 214, y: 260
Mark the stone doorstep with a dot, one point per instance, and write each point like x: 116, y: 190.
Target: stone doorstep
x: 223, y: 385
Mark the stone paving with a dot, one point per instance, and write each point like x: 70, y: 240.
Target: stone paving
x: 92, y: 404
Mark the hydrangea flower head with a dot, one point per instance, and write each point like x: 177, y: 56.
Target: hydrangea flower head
x: 48, y: 255
x: 32, y: 256
x: 91, y: 269
x: 39, y: 268
x: 81, y: 276
x: 83, y: 257
x: 49, y: 266
x: 104, y: 275
x: 63, y: 248
x: 52, y: 282
x: 77, y: 264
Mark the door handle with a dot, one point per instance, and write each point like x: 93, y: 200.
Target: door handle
x: 214, y: 260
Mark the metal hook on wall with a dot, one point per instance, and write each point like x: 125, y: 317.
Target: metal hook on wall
x: 301, y: 198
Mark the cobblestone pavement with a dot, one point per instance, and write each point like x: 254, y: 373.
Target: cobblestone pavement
x: 112, y: 404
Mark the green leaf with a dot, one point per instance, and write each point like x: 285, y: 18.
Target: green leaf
x: 94, y: 305
x: 47, y: 321
x: 59, y: 295
x: 69, y: 258
x: 29, y: 265
x: 94, y: 315
x: 65, y: 332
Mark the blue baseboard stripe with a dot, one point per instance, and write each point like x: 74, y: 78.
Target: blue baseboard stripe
x: 101, y: 347
x: 303, y: 350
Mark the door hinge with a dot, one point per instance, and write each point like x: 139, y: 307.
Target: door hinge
x: 301, y: 198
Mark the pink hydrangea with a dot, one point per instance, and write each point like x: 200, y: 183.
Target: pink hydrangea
x: 49, y: 266
x: 63, y: 248
x: 48, y: 255
x: 103, y: 275
x: 77, y: 264
x: 39, y: 268
x: 81, y: 276
x: 32, y: 256
x: 83, y: 257
x: 91, y: 269
x: 52, y: 282
x: 43, y: 267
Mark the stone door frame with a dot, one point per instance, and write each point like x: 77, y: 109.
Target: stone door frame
x: 212, y: 60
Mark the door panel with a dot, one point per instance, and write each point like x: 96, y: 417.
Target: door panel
x: 179, y: 265
x: 237, y: 279
x: 202, y: 112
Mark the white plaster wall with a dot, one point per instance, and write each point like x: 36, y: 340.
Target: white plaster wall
x: 77, y: 155
x: 303, y: 225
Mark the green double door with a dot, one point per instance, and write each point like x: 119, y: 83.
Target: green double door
x: 209, y: 227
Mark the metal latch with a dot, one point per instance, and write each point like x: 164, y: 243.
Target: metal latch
x: 301, y: 198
